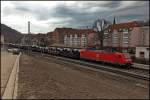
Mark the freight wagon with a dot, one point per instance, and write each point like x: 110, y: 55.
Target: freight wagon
x: 122, y: 59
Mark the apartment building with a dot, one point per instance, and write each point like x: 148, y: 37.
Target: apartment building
x: 129, y: 37
x: 72, y: 37
x: 119, y: 36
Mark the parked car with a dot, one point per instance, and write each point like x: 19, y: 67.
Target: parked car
x: 10, y: 50
x: 16, y: 51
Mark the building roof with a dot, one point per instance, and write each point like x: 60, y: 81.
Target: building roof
x: 71, y: 30
x: 143, y: 23
x: 124, y: 25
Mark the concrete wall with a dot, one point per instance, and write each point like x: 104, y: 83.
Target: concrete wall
x: 145, y: 31
x: 134, y: 37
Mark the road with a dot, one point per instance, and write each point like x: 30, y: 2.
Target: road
x: 46, y: 79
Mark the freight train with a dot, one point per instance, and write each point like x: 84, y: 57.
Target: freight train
x: 115, y: 58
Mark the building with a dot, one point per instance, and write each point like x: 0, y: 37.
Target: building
x: 50, y: 38
x: 142, y: 53
x: 118, y: 36
x: 72, y: 37
x: 126, y: 36
x: 35, y: 39
x: 140, y: 36
x: 41, y: 39
x: 28, y: 39
x: 142, y: 42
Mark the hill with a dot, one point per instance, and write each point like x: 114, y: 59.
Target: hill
x: 10, y: 35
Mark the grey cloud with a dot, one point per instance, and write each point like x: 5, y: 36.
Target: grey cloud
x: 86, y: 18
x: 43, y: 13
x: 22, y: 8
x: 113, y: 4
x: 136, y: 4
x: 17, y: 10
x: 110, y: 4
x: 82, y: 16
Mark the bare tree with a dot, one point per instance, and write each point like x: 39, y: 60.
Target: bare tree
x: 100, y: 25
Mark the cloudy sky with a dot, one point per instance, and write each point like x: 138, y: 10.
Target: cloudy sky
x: 45, y: 16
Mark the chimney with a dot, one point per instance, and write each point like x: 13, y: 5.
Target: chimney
x: 28, y: 27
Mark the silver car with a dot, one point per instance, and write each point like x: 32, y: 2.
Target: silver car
x: 16, y: 51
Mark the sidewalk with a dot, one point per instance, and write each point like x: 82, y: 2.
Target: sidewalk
x: 7, y: 62
x: 143, y: 66
x: 9, y: 71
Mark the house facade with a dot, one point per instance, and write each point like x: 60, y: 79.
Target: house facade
x: 142, y: 42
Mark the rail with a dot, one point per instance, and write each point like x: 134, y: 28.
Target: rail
x: 125, y: 72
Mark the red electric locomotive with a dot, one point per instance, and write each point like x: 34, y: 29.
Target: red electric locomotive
x: 109, y: 57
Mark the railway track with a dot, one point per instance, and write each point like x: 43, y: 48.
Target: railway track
x: 134, y: 72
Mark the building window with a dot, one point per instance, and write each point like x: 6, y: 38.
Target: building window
x: 71, y: 40
x: 125, y: 40
x: 105, y: 33
x: 147, y: 49
x: 125, y: 33
x: 125, y: 37
x: 65, y: 40
x: 83, y: 40
x: 78, y: 41
x: 120, y: 30
x: 125, y: 30
x: 115, y: 32
x: 130, y: 29
x: 75, y: 39
x: 106, y: 37
x: 115, y: 40
x: 116, y: 37
x: 141, y: 54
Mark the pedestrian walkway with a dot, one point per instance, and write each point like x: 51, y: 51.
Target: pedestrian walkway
x: 7, y: 62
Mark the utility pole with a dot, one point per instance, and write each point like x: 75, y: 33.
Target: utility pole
x: 28, y: 36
